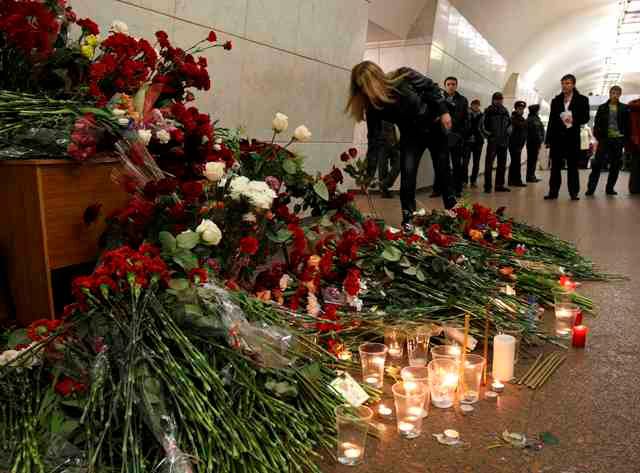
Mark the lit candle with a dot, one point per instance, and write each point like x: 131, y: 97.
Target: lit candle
x: 466, y: 409
x: 450, y: 380
x: 497, y: 386
x: 407, y: 427
x: 378, y: 361
x: 415, y: 411
x: 384, y: 410
x: 345, y: 355
x: 504, y: 354
x: 351, y: 451
x: 395, y: 351
x: 371, y: 380
x: 579, y: 339
x: 451, y: 434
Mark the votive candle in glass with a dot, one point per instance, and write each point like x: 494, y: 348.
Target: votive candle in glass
x: 565, y: 316
x: 394, y: 338
x: 372, y: 358
x: 409, y: 399
x: 472, y: 377
x: 418, y: 375
x: 418, y: 346
x: 443, y: 381
x: 579, y: 336
x: 352, y: 424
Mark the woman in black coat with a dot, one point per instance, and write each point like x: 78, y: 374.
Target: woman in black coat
x: 416, y: 105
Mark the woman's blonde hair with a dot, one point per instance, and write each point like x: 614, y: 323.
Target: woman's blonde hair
x: 370, y: 87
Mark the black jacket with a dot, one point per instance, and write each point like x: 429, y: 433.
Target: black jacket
x: 419, y: 102
x: 601, y: 125
x: 459, y: 110
x: 496, y: 125
x: 535, y: 130
x: 557, y: 131
x: 518, y: 130
x: 475, y: 133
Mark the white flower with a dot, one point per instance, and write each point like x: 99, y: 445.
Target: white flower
x: 118, y: 112
x: 163, y: 136
x: 249, y: 217
x: 218, y: 141
x: 238, y: 187
x: 7, y: 357
x: 257, y: 192
x: 209, y: 232
x: 284, y: 282
x: 280, y: 122
x: 118, y: 26
x: 217, y: 147
x: 302, y: 134
x: 214, y: 171
x: 123, y: 121
x: 145, y: 136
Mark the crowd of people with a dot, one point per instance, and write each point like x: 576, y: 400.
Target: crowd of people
x: 407, y: 113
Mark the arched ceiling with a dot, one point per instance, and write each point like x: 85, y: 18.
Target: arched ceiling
x: 540, y: 39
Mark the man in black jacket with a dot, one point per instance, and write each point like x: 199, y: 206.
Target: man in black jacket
x: 569, y: 111
x: 459, y: 111
x: 474, y: 144
x: 496, y: 126
x: 610, y: 129
x: 535, y: 138
x: 516, y: 143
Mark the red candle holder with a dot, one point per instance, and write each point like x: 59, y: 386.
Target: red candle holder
x: 579, y: 336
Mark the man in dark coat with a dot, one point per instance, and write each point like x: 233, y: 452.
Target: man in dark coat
x: 496, y: 126
x: 474, y: 144
x: 610, y: 129
x: 569, y: 111
x: 459, y: 110
x: 516, y: 144
x: 535, y: 138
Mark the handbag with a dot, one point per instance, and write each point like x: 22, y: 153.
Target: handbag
x: 585, y: 139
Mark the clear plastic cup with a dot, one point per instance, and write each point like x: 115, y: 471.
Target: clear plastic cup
x: 352, y: 424
x: 372, y: 358
x: 472, y: 377
x: 409, y: 400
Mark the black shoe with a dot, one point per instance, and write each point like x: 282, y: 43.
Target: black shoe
x: 520, y: 184
x: 386, y: 194
x: 612, y: 193
x: 487, y: 191
x: 435, y: 195
x: 533, y: 180
x: 550, y: 197
x: 503, y: 189
x: 575, y: 197
x: 589, y: 193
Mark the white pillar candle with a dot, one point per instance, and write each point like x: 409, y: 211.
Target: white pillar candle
x: 504, y: 353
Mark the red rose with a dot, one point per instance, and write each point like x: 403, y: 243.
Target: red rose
x: 351, y: 283
x: 177, y: 135
x: 198, y: 275
x: 163, y: 39
x: 88, y: 26
x: 504, y: 229
x: 353, y: 152
x: 67, y: 386
x: 330, y: 312
x: 249, y: 245
x: 372, y: 230
x: 228, y: 46
x: 344, y: 157
x: 212, y: 37
x: 392, y: 236
x: 191, y: 190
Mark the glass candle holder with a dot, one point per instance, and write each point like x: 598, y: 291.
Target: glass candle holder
x: 443, y: 381
x: 409, y: 399
x: 418, y: 375
x: 352, y: 424
x: 565, y: 315
x: 418, y: 346
x: 372, y: 358
x: 472, y: 377
x: 515, y: 332
x: 453, y: 352
x: 395, y: 338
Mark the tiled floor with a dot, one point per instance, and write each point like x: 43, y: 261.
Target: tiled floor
x: 592, y: 404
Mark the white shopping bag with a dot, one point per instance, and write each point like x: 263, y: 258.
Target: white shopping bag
x: 585, y: 139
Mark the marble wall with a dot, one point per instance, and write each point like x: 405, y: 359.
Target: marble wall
x: 289, y: 56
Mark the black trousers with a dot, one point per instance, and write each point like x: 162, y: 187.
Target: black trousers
x: 533, y: 151
x: 389, y: 167
x: 609, y: 150
x: 472, y: 150
x: 494, y: 151
x: 515, y: 166
x: 459, y: 175
x: 634, y: 177
x: 411, y: 150
x: 565, y: 150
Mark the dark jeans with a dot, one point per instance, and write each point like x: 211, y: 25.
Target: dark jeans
x: 515, y: 166
x: 412, y: 148
x: 565, y: 150
x: 389, y: 167
x: 472, y: 150
x: 494, y: 151
x: 533, y: 150
x: 459, y: 175
x: 634, y: 177
x: 610, y: 150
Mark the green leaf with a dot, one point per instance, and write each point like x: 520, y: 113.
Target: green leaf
x: 392, y: 253
x: 168, y: 242
x: 179, y: 284
x: 549, y: 439
x: 186, y: 260
x: 281, y: 236
x: 289, y: 166
x: 389, y: 273
x: 311, y: 371
x: 404, y: 262
x: 18, y: 337
x: 411, y: 271
x: 188, y: 240
x: 320, y: 188
x: 420, y: 275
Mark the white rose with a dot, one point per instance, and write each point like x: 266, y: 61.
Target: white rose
x: 118, y: 112
x: 123, y: 121
x: 8, y: 356
x: 238, y: 187
x: 163, y: 136
x: 119, y: 27
x: 214, y: 171
x: 302, y: 134
x: 145, y: 136
x: 205, y: 225
x: 280, y: 122
x: 212, y: 236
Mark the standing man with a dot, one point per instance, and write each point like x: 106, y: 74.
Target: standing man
x: 459, y: 111
x: 475, y: 142
x: 496, y: 126
x: 535, y: 138
x: 610, y: 129
x: 516, y: 143
x: 389, y: 165
x: 569, y: 111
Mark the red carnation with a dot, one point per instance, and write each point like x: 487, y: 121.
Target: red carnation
x: 212, y: 38
x: 67, y: 386
x: 353, y: 152
x: 42, y: 328
x: 198, y: 275
x: 88, y: 26
x: 372, y: 230
x: 249, y: 245
x: 504, y: 229
x: 392, y: 236
x: 351, y: 283
x: 228, y: 46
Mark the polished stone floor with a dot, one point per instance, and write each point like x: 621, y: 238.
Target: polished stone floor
x: 592, y: 404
